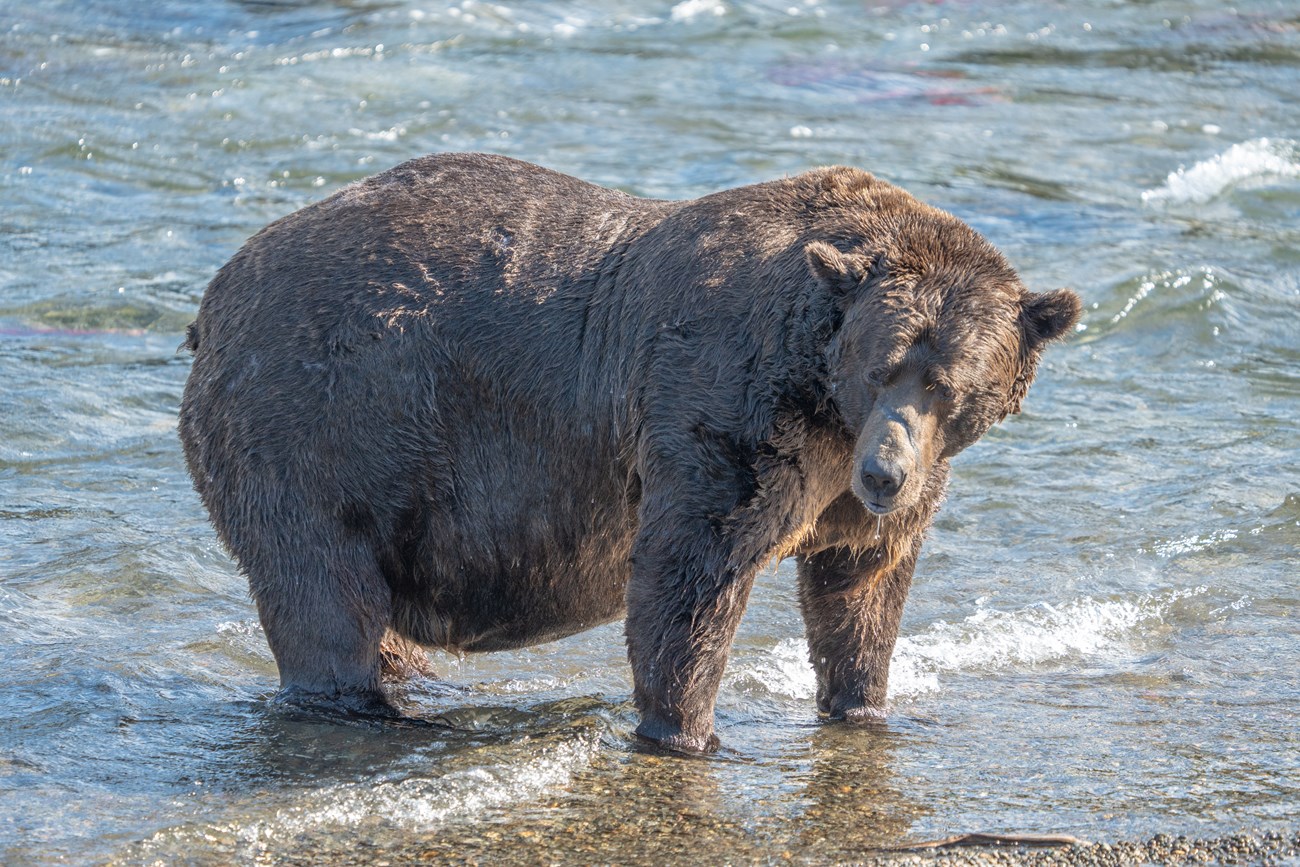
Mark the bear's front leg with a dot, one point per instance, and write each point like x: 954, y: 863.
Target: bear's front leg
x: 684, y: 602
x: 852, y: 603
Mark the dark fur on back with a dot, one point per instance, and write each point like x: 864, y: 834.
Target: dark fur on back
x: 481, y: 405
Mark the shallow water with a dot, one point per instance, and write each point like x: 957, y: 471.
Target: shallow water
x: 1102, y: 636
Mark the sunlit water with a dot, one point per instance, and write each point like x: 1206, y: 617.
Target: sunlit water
x: 1102, y: 636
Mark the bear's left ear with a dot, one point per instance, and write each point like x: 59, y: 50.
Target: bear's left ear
x: 839, y: 272
x: 1048, y: 316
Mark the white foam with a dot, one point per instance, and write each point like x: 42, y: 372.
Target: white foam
x: 688, y: 10
x: 412, y: 804
x: 1257, y: 158
x: 419, y: 803
x: 989, y: 639
x: 1081, y: 629
x: 239, y: 627
x: 783, y: 671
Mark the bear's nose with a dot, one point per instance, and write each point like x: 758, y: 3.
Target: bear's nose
x: 882, y: 478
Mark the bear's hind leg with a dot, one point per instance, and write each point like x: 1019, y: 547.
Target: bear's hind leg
x: 325, y: 608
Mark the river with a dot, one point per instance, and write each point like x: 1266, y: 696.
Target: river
x: 1102, y: 637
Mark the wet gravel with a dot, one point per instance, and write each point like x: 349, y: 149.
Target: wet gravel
x: 684, y: 815
x: 594, y: 844
x: 1266, y: 848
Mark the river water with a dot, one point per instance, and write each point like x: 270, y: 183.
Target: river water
x: 1102, y: 638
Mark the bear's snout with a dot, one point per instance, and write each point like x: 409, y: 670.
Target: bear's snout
x: 895, y: 447
x: 882, y: 478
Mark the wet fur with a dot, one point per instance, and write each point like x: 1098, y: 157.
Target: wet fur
x: 474, y: 404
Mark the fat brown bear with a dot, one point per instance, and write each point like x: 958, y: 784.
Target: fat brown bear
x: 474, y: 404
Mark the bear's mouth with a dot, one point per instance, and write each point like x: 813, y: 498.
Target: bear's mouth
x: 872, y: 501
x: 878, y: 508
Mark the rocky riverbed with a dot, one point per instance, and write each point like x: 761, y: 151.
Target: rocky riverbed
x: 593, y: 844
x: 1267, y: 848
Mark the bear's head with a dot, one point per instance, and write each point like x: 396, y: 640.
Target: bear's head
x: 938, y: 340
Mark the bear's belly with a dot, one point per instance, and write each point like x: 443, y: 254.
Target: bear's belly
x: 516, y: 541
x: 537, y: 628
x: 520, y: 594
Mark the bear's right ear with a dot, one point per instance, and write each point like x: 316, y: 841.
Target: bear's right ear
x: 837, y: 271
x: 1049, y: 316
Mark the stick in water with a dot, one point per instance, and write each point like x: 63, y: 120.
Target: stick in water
x: 993, y: 840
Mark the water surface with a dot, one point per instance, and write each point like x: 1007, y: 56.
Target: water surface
x: 1101, y: 639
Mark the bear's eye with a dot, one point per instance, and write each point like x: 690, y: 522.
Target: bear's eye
x: 936, y: 386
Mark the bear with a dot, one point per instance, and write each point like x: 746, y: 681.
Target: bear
x: 474, y: 404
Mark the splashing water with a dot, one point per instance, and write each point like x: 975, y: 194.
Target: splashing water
x: 1084, y: 629
x: 1255, y: 159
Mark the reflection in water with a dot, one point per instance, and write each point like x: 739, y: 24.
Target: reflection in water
x: 858, y: 802
x: 836, y: 797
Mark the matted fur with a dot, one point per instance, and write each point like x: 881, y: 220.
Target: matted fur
x: 476, y: 404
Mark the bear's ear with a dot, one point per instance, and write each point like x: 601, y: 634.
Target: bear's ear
x: 837, y: 271
x: 1043, y: 317
x: 1049, y: 315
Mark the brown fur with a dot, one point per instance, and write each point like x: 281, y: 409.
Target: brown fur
x: 477, y: 404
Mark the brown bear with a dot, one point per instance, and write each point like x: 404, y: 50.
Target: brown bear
x: 474, y: 404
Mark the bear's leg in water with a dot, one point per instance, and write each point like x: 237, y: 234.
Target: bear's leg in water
x: 325, y: 606
x: 852, y: 603
x: 708, y: 521
x: 685, y: 601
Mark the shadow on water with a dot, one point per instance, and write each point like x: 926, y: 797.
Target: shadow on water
x: 256, y: 777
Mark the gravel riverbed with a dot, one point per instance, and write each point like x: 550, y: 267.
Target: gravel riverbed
x: 506, y: 846
x: 1261, y: 848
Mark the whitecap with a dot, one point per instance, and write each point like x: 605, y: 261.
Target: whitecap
x: 239, y: 627
x: 1257, y: 158
x: 782, y: 670
x: 1081, y: 629
x: 989, y: 639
